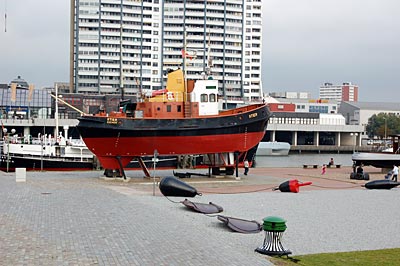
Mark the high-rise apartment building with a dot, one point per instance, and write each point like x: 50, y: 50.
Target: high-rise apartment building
x: 347, y: 92
x: 130, y: 44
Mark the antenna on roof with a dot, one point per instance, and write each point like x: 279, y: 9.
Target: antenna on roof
x: 5, y: 15
x: 209, y: 59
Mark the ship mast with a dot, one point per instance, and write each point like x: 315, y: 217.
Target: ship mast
x: 67, y: 104
x: 184, y: 64
x: 56, y: 112
x: 121, y: 68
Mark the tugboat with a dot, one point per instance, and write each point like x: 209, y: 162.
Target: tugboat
x: 182, y: 119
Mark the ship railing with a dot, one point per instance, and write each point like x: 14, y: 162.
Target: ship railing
x: 171, y: 96
x: 238, y: 110
x: 47, y: 157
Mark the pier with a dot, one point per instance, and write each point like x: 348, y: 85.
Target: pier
x: 315, y: 133
x: 298, y: 149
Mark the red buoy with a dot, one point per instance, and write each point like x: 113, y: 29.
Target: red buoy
x: 292, y: 186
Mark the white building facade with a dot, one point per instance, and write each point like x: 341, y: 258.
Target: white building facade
x: 130, y: 44
x: 345, y: 92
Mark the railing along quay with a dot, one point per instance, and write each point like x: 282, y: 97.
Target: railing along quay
x: 329, y: 149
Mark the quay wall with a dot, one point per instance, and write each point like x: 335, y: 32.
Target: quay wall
x: 298, y: 149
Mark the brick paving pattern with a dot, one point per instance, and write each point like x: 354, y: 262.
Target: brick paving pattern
x: 77, y: 218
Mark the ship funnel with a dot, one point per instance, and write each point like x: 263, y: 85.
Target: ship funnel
x: 66, y: 132
x: 173, y: 187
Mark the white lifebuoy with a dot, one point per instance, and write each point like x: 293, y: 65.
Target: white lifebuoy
x: 170, y: 96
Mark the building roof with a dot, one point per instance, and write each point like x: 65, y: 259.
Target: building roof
x: 375, y: 105
x: 310, y: 101
x: 21, y: 83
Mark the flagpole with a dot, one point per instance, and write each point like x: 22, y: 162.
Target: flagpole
x: 56, y: 112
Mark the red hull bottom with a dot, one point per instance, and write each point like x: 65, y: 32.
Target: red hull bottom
x: 108, y: 150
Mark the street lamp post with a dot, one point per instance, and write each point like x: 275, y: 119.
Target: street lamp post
x: 8, y: 145
x: 155, y: 159
x: 41, y: 150
x: 354, y: 140
x: 272, y: 120
x: 385, y: 132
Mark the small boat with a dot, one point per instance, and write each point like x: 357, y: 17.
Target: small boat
x: 273, y: 148
x: 185, y: 120
x: 45, y: 153
x: 380, y: 159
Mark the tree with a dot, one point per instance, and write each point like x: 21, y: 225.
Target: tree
x: 377, y: 124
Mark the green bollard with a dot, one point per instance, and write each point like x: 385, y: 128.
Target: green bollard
x: 274, y: 227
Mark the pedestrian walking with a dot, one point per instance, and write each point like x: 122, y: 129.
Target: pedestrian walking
x: 395, y: 173
x: 246, y: 167
x: 323, y: 169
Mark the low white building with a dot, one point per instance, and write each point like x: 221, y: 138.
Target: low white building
x: 332, y: 119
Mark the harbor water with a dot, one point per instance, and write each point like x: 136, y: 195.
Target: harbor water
x: 298, y: 160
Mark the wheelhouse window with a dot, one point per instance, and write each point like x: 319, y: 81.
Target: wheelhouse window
x: 204, y: 98
x: 169, y: 108
x: 213, y: 98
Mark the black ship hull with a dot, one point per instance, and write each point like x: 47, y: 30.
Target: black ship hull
x: 45, y: 163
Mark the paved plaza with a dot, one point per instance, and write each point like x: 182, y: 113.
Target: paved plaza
x: 78, y: 218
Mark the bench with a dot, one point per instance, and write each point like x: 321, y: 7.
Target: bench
x: 310, y: 165
x: 334, y: 165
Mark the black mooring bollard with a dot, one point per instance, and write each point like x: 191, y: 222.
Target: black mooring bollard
x: 381, y: 184
x: 173, y: 187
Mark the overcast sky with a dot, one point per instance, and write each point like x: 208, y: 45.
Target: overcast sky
x: 305, y: 43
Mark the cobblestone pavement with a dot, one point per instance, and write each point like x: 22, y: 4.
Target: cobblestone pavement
x: 78, y: 218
